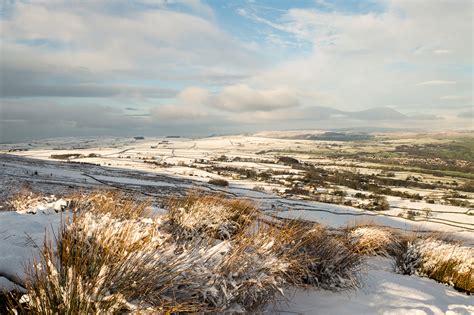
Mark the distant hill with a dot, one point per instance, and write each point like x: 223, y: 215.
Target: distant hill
x: 371, y: 114
x: 378, y: 113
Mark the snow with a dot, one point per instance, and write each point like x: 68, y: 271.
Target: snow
x: 20, y: 234
x: 384, y: 292
x: 132, y: 181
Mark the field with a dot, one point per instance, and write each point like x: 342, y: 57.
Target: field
x: 407, y: 183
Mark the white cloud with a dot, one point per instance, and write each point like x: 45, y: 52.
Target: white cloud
x: 154, y: 44
x: 241, y: 98
x: 411, y: 52
x: 173, y: 112
x: 456, y: 98
x: 193, y: 95
x: 377, y: 59
x: 443, y: 51
x: 437, y: 82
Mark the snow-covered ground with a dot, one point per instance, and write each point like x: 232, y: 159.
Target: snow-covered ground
x: 384, y: 292
x: 119, y: 164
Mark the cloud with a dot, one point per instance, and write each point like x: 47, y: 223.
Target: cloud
x: 467, y: 115
x: 193, y: 95
x: 79, y: 115
x: 171, y: 113
x: 241, y: 98
x: 376, y: 59
x: 442, y: 51
x: 9, y: 89
x: 437, y: 82
x: 62, y: 64
x: 94, y: 45
x: 456, y: 98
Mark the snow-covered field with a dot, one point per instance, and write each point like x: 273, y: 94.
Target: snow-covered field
x: 384, y: 292
x: 119, y: 164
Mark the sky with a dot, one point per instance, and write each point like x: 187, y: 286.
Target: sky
x: 197, y: 68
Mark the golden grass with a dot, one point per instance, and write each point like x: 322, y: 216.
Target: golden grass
x: 24, y: 199
x: 98, y: 266
x: 447, y: 262
x: 109, y: 260
x: 114, y: 203
x: 213, y: 216
x: 370, y: 240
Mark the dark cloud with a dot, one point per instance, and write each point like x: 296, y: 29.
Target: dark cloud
x: 467, y: 115
x: 12, y: 89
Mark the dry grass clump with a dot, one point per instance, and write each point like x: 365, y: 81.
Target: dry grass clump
x: 248, y: 275
x: 435, y: 255
x: 99, y: 266
x: 105, y: 262
x: 110, y: 257
x: 114, y: 203
x: 370, y: 239
x: 448, y: 263
x: 436, y: 258
x: 210, y: 216
x: 317, y: 257
x: 324, y: 260
x: 25, y: 200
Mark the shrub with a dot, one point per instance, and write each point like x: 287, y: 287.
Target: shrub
x: 219, y: 182
x: 412, y: 214
x: 259, y: 188
x: 222, y: 158
x: 407, y: 256
x: 65, y: 156
x: 297, y: 191
x: 341, y: 193
x: 428, y: 212
x: 319, y: 258
x: 381, y: 203
x: 288, y: 160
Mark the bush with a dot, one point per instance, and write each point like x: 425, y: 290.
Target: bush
x: 297, y: 191
x: 219, y: 182
x: 412, y: 214
x: 288, y: 160
x: 407, y: 256
x: 65, y: 156
x: 381, y: 203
